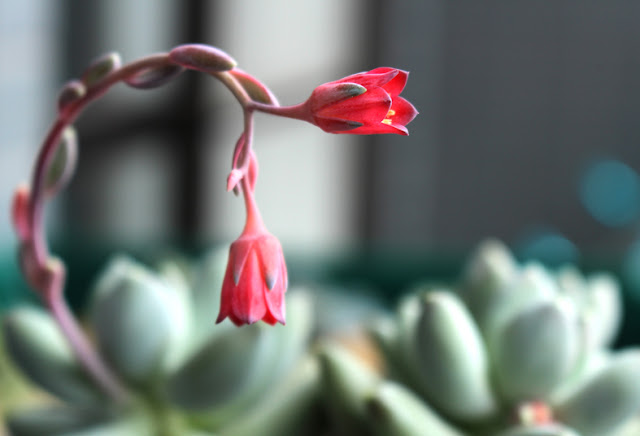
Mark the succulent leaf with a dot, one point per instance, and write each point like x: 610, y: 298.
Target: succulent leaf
x: 544, y: 430
x: 140, y: 322
x: 452, y: 359
x: 346, y: 384
x: 531, y: 286
x: 486, y: 278
x: 288, y: 410
x: 38, y: 348
x: 394, y: 410
x: 222, y: 370
x: 536, y: 351
x: 607, y: 399
x: 52, y: 420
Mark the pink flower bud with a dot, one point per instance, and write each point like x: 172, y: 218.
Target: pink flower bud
x: 255, y: 281
x: 233, y: 178
x: 20, y: 212
x: 362, y: 104
x: 202, y: 57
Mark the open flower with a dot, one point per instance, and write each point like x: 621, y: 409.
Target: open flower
x: 362, y: 104
x: 255, y: 281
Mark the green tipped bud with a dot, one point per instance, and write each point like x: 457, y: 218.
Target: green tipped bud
x: 254, y: 88
x: 452, y: 359
x: 536, y: 351
x: 38, y: 348
x: 100, y: 68
x: 140, y: 322
x: 70, y: 93
x: 63, y: 164
x: 394, y: 410
x: 202, y: 57
x: 606, y: 400
x: 154, y: 77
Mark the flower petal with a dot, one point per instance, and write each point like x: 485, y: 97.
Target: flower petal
x: 238, y: 253
x: 405, y: 111
x: 395, y: 86
x: 371, y: 79
x: 332, y: 125
x: 270, y: 255
x: 248, y: 300
x: 227, y: 294
x: 380, y: 128
x: 275, y: 299
x: 370, y: 107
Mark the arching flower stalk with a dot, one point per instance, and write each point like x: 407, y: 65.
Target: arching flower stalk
x: 256, y: 279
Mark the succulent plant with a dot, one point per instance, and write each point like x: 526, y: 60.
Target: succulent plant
x: 510, y: 350
x: 183, y: 375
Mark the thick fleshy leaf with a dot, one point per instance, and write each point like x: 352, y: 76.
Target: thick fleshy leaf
x: 394, y: 410
x: 544, y: 430
x: 140, y: 322
x: 536, y: 351
x: 531, y: 286
x: 452, y: 359
x: 486, y: 279
x: 154, y: 77
x: 606, y: 400
x: 224, y: 369
x: 37, y: 347
x: 346, y: 385
x: 205, y: 295
x: 604, y: 302
x: 100, y: 68
x: 202, y: 58
x: 53, y: 420
x: 290, y: 409
x: 63, y: 164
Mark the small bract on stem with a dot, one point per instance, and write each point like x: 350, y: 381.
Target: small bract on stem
x: 256, y: 276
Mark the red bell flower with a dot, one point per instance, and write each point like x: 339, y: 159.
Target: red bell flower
x: 362, y: 104
x: 255, y: 280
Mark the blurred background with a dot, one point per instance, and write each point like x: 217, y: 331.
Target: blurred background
x: 527, y: 130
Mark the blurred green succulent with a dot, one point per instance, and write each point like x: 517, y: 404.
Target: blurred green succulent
x: 186, y: 377
x: 511, y: 350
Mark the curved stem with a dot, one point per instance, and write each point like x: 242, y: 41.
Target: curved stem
x: 52, y: 289
x: 297, y: 112
x: 71, y: 330
x: 235, y: 87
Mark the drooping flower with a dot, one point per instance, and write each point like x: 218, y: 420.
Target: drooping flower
x: 255, y: 281
x: 362, y: 104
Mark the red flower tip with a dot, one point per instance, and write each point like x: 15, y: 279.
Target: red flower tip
x: 255, y: 281
x: 362, y: 104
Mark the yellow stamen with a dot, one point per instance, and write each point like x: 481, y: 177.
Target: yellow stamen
x: 386, y: 121
x: 391, y: 113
